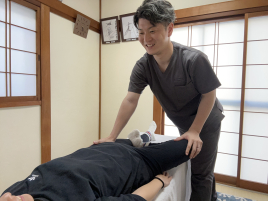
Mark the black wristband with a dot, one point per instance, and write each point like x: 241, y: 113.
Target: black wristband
x: 161, y: 181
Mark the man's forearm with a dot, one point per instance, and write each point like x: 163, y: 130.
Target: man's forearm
x: 204, y: 109
x: 126, y: 110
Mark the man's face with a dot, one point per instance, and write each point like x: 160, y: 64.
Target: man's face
x: 155, y: 39
x: 9, y: 197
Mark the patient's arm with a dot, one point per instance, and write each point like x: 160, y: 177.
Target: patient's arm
x: 9, y: 197
x: 150, y: 190
x: 144, y: 193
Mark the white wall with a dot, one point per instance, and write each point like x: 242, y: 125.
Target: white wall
x: 74, y: 101
x: 117, y: 63
x: 74, y: 87
x: 20, y: 149
x: 74, y: 82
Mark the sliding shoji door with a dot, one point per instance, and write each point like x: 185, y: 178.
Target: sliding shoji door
x: 19, y: 51
x: 243, y: 151
x: 229, y: 71
x: 222, y: 42
x: 254, y: 153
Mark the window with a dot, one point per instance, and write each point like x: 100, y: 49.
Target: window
x: 19, y: 52
x: 245, y: 99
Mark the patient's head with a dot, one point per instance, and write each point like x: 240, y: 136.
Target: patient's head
x: 155, y: 11
x: 9, y: 197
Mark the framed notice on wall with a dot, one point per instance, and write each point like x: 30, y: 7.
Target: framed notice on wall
x: 110, y: 30
x: 128, y: 31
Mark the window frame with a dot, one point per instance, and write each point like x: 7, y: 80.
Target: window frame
x: 16, y: 101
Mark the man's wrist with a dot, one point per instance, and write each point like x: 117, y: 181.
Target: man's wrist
x: 111, y: 137
x: 194, y: 130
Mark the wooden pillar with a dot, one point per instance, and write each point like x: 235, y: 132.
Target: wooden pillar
x: 45, y: 85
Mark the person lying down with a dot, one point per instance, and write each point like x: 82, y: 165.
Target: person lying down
x: 114, y: 171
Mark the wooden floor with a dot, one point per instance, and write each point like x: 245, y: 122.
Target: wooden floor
x: 239, y: 192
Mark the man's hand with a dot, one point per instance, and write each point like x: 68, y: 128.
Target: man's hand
x: 165, y: 177
x: 106, y: 139
x: 194, y: 141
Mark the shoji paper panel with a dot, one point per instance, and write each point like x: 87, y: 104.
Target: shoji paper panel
x: 228, y: 143
x: 23, y: 85
x: 23, y: 62
x: 23, y: 39
x: 2, y: 59
x: 23, y: 16
x: 230, y: 76
x: 255, y: 147
x: 229, y: 98
x: 2, y: 84
x: 180, y: 35
x: 254, y: 170
x: 257, y: 28
x: 231, y: 121
x: 231, y: 31
x: 203, y: 34
x: 256, y: 76
x: 255, y: 124
x: 2, y: 34
x: 226, y: 164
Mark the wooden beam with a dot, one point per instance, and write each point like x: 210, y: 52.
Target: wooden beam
x: 219, y: 16
x: 69, y: 13
x: 38, y: 53
x: 219, y: 7
x: 225, y: 179
x: 242, y: 105
x: 254, y: 186
x: 35, y: 2
x: 45, y: 85
x: 231, y: 181
x: 19, y: 104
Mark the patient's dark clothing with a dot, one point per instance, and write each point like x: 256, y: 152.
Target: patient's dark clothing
x: 108, y: 171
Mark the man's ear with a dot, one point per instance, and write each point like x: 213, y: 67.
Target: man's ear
x: 170, y: 29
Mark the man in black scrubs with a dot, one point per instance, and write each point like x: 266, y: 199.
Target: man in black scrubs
x: 109, y: 171
x: 184, y: 83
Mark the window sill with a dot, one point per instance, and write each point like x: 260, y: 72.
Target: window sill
x: 19, y: 104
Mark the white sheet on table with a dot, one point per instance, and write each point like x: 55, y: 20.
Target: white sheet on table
x: 179, y: 188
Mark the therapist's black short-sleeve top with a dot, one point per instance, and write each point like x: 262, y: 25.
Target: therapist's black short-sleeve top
x: 178, y: 89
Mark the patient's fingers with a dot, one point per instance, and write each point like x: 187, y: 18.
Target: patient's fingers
x: 7, y: 197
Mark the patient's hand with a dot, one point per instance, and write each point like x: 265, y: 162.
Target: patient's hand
x: 106, y: 139
x: 9, y: 197
x: 165, y: 177
x: 150, y: 190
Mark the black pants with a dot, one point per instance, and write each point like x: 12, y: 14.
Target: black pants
x: 202, y: 166
x: 161, y: 157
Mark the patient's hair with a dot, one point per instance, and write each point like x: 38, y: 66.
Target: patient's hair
x: 155, y: 11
